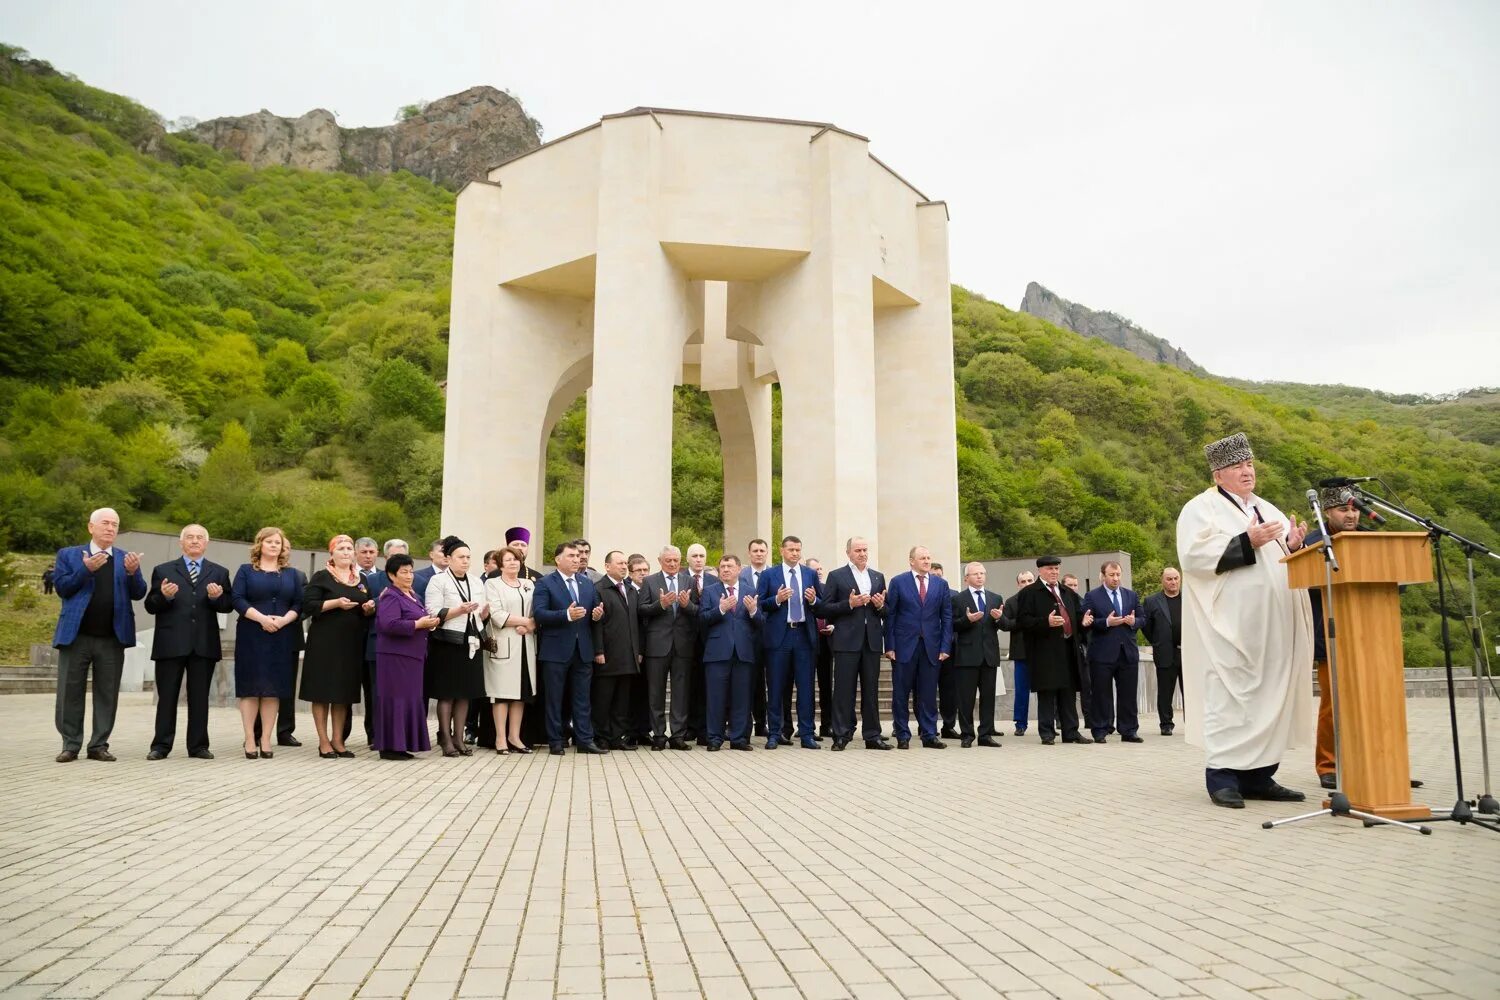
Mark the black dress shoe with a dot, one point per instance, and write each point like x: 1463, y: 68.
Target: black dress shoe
x: 1166, y: 730
x: 1415, y: 783
x: 713, y: 747
x: 101, y: 755
x: 741, y: 745
x: 903, y: 744
x: 1328, y: 780
x: 677, y: 743
x: 1020, y: 731
x: 556, y: 751
x: 702, y: 741
x: 289, y: 741
x: 760, y: 729
x: 949, y: 733
x: 1274, y: 793
x: 879, y: 744
x: 1132, y: 739
x: 825, y: 731
x: 988, y: 741
x: 1228, y: 798
x: 658, y: 744
x: 592, y: 748
x: 1100, y: 739
x: 157, y: 755
x: 202, y: 755
x: 967, y: 742
x: 67, y: 756
x: 621, y: 745
x: 1047, y: 741
x: 839, y: 744
x: 1080, y: 739
x: 934, y: 744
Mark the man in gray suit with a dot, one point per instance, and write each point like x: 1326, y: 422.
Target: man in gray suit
x: 669, y: 619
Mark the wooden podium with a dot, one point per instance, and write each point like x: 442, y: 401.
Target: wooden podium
x: 1371, y: 680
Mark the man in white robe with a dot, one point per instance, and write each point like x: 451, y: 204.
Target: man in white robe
x: 1247, y: 639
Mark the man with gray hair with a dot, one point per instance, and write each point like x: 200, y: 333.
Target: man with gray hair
x: 393, y: 546
x: 697, y: 567
x: 669, y: 641
x: 366, y: 551
x: 186, y: 595
x: 96, y: 582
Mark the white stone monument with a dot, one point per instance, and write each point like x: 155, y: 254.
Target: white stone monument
x: 659, y: 247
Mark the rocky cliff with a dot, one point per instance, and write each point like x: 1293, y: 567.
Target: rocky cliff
x: 451, y: 141
x: 1107, y: 326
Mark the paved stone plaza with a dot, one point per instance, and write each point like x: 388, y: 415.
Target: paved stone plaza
x: 1028, y: 871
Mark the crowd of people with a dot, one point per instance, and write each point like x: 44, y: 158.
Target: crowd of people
x: 621, y: 657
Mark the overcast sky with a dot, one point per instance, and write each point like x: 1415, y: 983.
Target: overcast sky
x: 1306, y: 191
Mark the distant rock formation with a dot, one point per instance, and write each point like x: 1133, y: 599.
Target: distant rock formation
x: 451, y: 141
x: 1107, y: 326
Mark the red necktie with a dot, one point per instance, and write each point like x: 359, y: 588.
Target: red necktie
x: 1062, y: 610
x: 922, y: 589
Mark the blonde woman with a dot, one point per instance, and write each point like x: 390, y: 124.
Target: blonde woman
x: 339, y: 608
x: 510, y: 668
x: 267, y: 636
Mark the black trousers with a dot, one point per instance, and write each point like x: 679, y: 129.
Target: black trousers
x: 611, y: 704
x: 825, y: 688
x: 969, y: 680
x: 200, y: 677
x: 697, y: 722
x: 668, y: 720
x: 1054, y: 708
x: 860, y: 669
x: 1115, y: 697
x: 1167, y: 679
x: 948, y: 700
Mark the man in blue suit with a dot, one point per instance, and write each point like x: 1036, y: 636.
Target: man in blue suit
x: 96, y: 583
x: 788, y: 597
x: 565, y: 606
x: 1114, y: 660
x: 730, y: 615
x: 918, y: 634
x: 426, y: 573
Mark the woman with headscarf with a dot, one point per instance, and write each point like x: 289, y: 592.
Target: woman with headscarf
x: 455, y: 673
x: 338, y: 604
x: 402, y: 627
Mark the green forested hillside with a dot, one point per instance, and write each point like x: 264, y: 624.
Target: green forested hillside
x: 184, y: 337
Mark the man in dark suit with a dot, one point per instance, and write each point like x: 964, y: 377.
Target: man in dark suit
x: 730, y: 616
x: 187, y: 596
x: 617, y: 653
x: 918, y: 635
x: 788, y: 597
x: 1050, y: 617
x: 854, y: 604
x: 702, y: 574
x: 426, y: 573
x: 976, y: 654
x: 669, y: 613
x: 1021, y: 695
x: 564, y: 605
x: 640, y: 701
x: 759, y: 551
x: 1162, y: 627
x: 1114, y: 661
x: 96, y: 625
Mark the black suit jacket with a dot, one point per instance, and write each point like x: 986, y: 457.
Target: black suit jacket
x: 1051, y: 659
x: 976, y: 644
x: 665, y: 633
x: 1158, y: 630
x: 618, y: 634
x: 854, y: 629
x: 188, y: 624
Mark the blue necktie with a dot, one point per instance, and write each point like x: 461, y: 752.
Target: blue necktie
x: 1114, y: 596
x: 979, y: 600
x: 573, y: 589
x: 193, y: 571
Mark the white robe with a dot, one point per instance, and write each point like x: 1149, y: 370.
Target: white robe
x: 1246, y: 640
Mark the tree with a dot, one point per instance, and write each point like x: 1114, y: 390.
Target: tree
x: 409, y: 111
x: 401, y: 389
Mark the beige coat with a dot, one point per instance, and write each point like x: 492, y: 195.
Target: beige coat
x: 502, y: 668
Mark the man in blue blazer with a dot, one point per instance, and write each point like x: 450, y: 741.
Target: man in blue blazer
x: 565, y: 607
x: 439, y: 562
x: 96, y: 582
x: 186, y: 595
x: 730, y: 615
x: 1114, y: 660
x: 918, y: 635
x: 788, y: 598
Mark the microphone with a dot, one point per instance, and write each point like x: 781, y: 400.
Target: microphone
x: 1365, y: 509
x: 1337, y: 481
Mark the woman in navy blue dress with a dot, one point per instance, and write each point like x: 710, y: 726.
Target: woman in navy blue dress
x: 268, y: 635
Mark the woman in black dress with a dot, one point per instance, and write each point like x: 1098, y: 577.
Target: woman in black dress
x: 455, y: 671
x: 339, y: 607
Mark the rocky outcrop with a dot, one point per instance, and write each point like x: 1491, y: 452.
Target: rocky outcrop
x: 1107, y: 326
x: 451, y: 141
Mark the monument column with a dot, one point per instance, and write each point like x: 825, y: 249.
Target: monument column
x: 641, y: 317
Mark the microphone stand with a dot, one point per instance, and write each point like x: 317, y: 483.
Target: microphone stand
x: 1338, y: 801
x: 1463, y: 810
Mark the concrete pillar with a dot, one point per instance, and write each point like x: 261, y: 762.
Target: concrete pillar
x: 742, y: 412
x: 508, y: 348
x: 918, y: 461
x: 641, y: 321
x: 819, y: 326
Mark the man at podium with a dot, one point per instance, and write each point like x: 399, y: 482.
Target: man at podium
x: 1246, y: 637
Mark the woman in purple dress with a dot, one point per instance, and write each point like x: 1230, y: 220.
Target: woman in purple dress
x: 401, y: 628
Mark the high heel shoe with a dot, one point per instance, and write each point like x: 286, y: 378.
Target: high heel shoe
x: 463, y: 749
x: 523, y: 748
x: 266, y: 755
x: 448, y: 750
x: 501, y: 751
x: 251, y: 755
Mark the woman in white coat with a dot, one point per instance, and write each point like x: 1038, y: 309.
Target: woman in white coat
x: 510, y: 664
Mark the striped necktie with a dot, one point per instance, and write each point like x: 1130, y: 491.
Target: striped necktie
x: 193, y: 573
